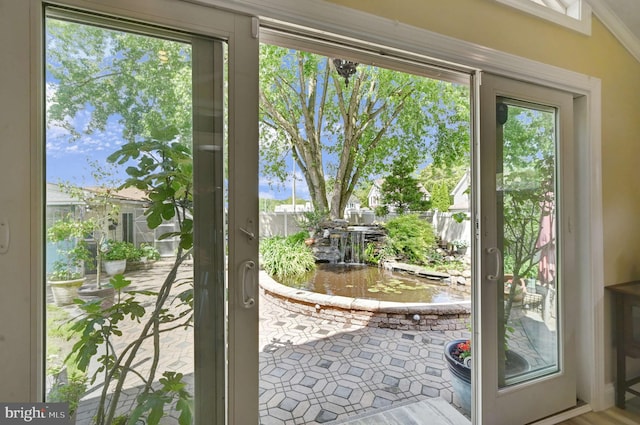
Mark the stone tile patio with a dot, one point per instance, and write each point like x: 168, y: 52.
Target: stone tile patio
x: 318, y: 371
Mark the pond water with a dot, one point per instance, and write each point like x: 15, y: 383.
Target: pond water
x: 360, y: 281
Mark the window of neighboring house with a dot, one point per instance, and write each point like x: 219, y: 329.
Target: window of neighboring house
x: 573, y: 14
x: 127, y: 227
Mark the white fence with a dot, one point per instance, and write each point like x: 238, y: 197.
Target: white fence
x: 444, y: 225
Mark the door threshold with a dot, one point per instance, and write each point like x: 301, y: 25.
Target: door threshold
x: 565, y: 415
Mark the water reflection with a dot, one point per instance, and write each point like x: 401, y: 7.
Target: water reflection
x: 359, y: 281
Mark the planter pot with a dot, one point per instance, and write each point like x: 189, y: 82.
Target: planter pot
x: 143, y: 264
x: 460, y: 377
x: 90, y: 293
x: 461, y: 374
x: 113, y: 267
x: 65, y: 291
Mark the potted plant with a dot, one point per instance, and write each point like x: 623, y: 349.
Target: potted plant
x: 460, y: 246
x: 458, y: 356
x: 67, y: 273
x: 149, y: 252
x: 142, y: 258
x: 115, y: 255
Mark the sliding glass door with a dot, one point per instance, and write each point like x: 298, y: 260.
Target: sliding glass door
x: 151, y: 145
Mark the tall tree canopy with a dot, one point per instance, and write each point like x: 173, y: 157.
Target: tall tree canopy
x: 345, y: 132
x: 143, y: 83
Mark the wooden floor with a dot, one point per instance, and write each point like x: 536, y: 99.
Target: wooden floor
x: 613, y: 416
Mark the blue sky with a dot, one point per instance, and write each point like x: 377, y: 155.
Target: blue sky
x: 68, y: 159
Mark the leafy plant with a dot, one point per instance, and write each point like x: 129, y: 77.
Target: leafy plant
x: 411, y: 238
x: 460, y: 243
x: 68, y: 234
x: 119, y: 250
x: 311, y: 220
x: 286, y: 258
x: 69, y: 390
x: 149, y: 251
x: 101, y: 327
x: 401, y: 190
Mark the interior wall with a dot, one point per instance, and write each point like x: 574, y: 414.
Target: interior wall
x: 491, y: 24
x: 16, y: 320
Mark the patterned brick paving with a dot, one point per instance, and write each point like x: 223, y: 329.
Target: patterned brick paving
x: 317, y: 371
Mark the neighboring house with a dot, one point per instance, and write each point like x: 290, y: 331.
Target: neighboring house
x: 353, y: 204
x: 131, y: 225
x: 461, y: 194
x: 375, y: 195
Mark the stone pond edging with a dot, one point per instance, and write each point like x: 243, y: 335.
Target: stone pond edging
x: 357, y: 311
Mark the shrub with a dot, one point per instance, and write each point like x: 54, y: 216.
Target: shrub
x: 120, y: 250
x: 411, y: 238
x: 149, y: 251
x: 286, y: 258
x: 298, y: 238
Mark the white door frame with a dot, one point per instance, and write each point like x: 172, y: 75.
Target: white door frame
x: 396, y: 36
x: 240, y: 33
x: 495, y: 402
x: 392, y: 36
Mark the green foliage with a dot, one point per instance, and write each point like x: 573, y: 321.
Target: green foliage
x: 374, y: 255
x: 401, y: 189
x: 284, y: 258
x: 298, y: 238
x: 381, y: 211
x: 68, y: 235
x: 149, y: 251
x: 311, y: 220
x: 449, y: 175
x: 440, y: 197
x: 459, y: 217
x: 143, y: 81
x: 411, y: 238
x: 164, y: 170
x: 350, y: 131
x: 119, y: 250
x: 172, y: 391
x: 98, y: 331
x: 70, y: 391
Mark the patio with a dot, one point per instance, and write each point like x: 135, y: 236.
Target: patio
x: 316, y: 371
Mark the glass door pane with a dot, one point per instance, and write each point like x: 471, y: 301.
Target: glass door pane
x: 526, y: 252
x: 526, y: 212
x: 120, y: 298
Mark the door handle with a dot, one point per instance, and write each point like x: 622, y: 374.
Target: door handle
x: 248, y: 230
x: 496, y: 252
x: 247, y: 268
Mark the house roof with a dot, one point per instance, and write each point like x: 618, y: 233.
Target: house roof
x: 56, y: 196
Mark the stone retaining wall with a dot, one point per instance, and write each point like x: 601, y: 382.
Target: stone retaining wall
x: 382, y: 314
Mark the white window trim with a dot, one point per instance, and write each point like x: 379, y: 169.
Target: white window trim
x: 579, y: 19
